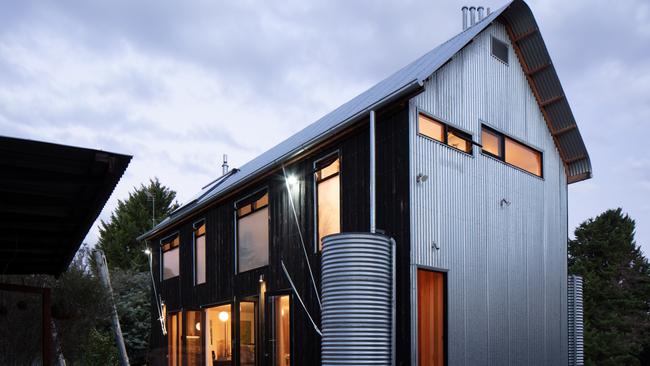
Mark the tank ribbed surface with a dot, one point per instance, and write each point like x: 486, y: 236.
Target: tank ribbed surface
x: 356, y: 294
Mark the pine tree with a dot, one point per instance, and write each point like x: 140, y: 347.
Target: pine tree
x: 131, y: 218
x: 616, y: 290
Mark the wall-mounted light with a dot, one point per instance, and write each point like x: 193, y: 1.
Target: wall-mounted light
x: 147, y: 251
x: 292, y: 180
x: 421, y: 178
x: 261, y: 278
x: 198, y: 326
x: 504, y: 203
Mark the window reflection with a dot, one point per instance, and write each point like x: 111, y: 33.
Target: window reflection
x: 253, y: 234
x: 199, y: 254
x: 193, y: 338
x: 218, y: 345
x: 170, y: 249
x: 247, y: 333
x: 491, y: 142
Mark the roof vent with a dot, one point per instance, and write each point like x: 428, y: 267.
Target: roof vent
x: 224, y: 166
x: 472, y: 15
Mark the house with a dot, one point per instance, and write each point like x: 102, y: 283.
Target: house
x: 462, y: 158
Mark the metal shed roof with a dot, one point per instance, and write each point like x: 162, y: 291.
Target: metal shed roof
x: 534, y: 57
x: 50, y: 195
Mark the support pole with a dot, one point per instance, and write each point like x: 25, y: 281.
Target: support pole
x: 47, y: 323
x: 373, y: 204
x: 102, y: 269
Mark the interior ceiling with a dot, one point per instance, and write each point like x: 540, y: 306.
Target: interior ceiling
x: 50, y: 195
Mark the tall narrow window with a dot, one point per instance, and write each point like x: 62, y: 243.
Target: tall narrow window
x: 431, y: 318
x: 218, y: 339
x: 281, y: 330
x: 511, y: 151
x: 193, y: 342
x: 444, y: 133
x: 247, y: 334
x: 328, y: 198
x: 174, y: 334
x: 253, y: 232
x: 170, y: 248
x: 199, y: 253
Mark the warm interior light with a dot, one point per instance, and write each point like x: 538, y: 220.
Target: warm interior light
x: 292, y: 180
x: 223, y: 316
x: 198, y: 326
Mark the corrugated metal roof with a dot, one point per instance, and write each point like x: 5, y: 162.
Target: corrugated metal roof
x: 516, y: 14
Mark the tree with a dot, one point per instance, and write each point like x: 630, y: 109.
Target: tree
x: 131, y: 218
x: 616, y: 290
x: 131, y: 291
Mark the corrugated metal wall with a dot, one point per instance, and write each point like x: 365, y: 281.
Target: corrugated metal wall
x: 507, y: 291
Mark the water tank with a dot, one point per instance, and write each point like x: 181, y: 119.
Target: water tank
x: 357, y: 296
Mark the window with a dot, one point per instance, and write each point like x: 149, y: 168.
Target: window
x: 193, y: 350
x: 218, y: 339
x: 253, y: 232
x: 511, y: 151
x: 170, y: 249
x: 444, y: 133
x: 281, y: 330
x: 174, y: 334
x: 247, y: 334
x: 199, y: 253
x: 500, y: 50
x: 328, y: 198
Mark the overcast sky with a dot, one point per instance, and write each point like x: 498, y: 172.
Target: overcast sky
x: 178, y: 84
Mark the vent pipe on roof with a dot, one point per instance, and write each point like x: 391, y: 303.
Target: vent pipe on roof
x: 464, y: 10
x: 488, y: 12
x: 224, y: 166
x: 472, y: 16
x: 481, y: 13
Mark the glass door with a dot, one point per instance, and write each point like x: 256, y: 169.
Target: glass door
x: 218, y: 336
x: 247, y: 333
x: 280, y: 330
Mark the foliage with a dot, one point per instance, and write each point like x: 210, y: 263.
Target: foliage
x: 131, y: 218
x: 616, y: 290
x: 100, y: 349
x: 131, y: 291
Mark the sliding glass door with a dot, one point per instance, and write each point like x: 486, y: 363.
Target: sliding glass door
x: 280, y: 330
x: 218, y: 336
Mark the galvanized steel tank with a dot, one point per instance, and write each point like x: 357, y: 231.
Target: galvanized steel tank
x: 357, y: 281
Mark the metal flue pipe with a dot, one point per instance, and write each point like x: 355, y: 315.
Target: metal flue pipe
x: 481, y: 13
x: 464, y: 12
x: 373, y: 183
x: 472, y: 15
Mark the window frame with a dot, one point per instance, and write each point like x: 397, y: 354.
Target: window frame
x: 446, y: 129
x: 269, y: 331
x: 246, y: 200
x: 502, y: 147
x: 161, y: 251
x: 195, y: 226
x: 318, y: 164
x: 492, y: 41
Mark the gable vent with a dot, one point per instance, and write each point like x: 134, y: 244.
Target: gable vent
x: 500, y: 50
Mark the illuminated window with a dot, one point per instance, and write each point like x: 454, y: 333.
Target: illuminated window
x: 193, y: 339
x: 281, y: 330
x: 199, y: 252
x: 170, y: 249
x: 253, y: 232
x: 174, y: 344
x: 511, y: 151
x: 448, y: 135
x: 328, y: 198
x: 218, y: 339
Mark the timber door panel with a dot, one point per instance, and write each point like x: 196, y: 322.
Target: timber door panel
x: 431, y: 318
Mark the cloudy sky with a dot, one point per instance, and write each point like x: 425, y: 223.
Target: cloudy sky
x: 177, y: 84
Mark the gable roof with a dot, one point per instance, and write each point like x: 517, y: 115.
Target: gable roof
x: 533, y: 56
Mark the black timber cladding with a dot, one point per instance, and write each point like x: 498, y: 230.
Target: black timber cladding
x: 223, y: 285
x: 50, y: 195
